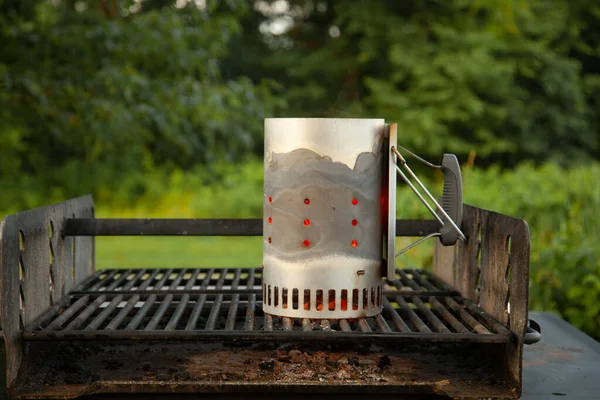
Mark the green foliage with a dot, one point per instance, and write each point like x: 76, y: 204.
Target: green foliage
x: 497, y: 77
x: 86, y: 96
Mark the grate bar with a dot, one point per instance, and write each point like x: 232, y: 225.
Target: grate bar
x: 75, y: 307
x: 306, y: 325
x: 235, y: 299
x: 99, y: 320
x: 182, y: 303
x: 268, y: 323
x: 214, y: 312
x: 137, y: 319
x: 412, y: 316
x: 85, y: 314
x: 396, y: 318
x: 496, y: 326
x: 431, y: 317
x: 250, y: 308
x: 116, y: 322
x: 165, y: 303
x: 363, y: 325
x: 468, y: 318
x: 287, y: 324
x: 193, y: 321
x: 68, y: 313
x: 447, y: 315
x: 382, y: 324
x: 345, y: 326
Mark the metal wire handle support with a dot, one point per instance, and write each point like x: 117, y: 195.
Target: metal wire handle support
x: 403, y: 163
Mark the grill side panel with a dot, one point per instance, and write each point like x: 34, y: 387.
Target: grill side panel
x: 38, y: 267
x: 492, y: 270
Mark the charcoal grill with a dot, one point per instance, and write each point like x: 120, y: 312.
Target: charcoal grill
x: 456, y: 329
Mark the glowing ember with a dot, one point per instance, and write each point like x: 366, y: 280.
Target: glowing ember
x: 354, y: 243
x: 306, y: 243
x: 354, y: 222
x: 307, y: 222
x: 354, y: 201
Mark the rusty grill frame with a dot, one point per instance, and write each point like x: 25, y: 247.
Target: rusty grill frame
x: 51, y: 294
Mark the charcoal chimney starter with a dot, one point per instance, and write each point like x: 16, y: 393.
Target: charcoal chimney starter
x: 324, y: 216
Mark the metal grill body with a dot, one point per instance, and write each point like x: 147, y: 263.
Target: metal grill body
x: 444, y: 331
x: 323, y: 217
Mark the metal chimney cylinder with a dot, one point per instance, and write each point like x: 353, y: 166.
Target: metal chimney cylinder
x: 323, y: 211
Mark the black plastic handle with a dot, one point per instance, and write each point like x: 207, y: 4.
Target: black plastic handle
x: 452, y: 198
x: 533, y: 334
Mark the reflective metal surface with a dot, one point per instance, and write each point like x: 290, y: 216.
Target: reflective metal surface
x: 323, y: 217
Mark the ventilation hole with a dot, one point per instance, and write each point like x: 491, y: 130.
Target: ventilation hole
x: 270, y: 240
x: 51, y: 259
x: 284, y: 297
x: 378, y: 296
x: 295, y: 299
x: 354, y: 222
x: 21, y: 241
x: 508, y: 263
x: 365, y: 298
x: 270, y: 199
x: 479, y: 266
x: 355, y: 299
x: 21, y: 269
x: 306, y: 222
x: 354, y: 243
x: 307, y: 201
x: 508, y: 248
x: 276, y: 297
x: 372, y: 297
x: 331, y: 299
x: 344, y: 301
x: 270, y: 220
x: 307, y: 299
x: 354, y: 201
x: 319, y: 300
x: 306, y: 243
x: 264, y: 293
x: 269, y: 295
x: 21, y: 309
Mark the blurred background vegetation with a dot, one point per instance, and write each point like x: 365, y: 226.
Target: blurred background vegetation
x: 156, y: 107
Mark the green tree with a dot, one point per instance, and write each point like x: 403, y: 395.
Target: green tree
x: 498, y: 77
x: 91, y: 89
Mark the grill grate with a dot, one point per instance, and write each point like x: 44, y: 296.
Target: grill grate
x: 217, y: 304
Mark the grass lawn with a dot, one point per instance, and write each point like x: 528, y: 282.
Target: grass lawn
x: 167, y: 252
